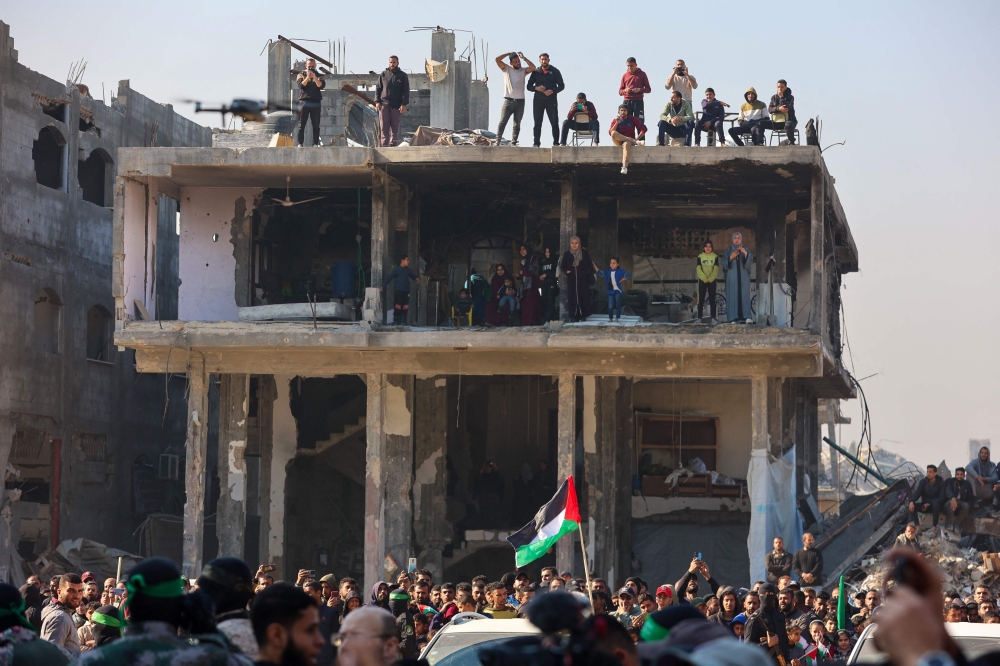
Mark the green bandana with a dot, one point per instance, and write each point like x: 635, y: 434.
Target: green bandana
x: 399, y: 595
x: 136, y: 585
x: 108, y: 620
x: 17, y: 610
x: 651, y: 631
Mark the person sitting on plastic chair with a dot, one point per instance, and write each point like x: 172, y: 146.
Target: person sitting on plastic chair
x: 581, y: 106
x: 461, y: 311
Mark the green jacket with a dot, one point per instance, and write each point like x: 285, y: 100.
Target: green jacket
x: 708, y: 267
x: 685, y: 113
x: 157, y: 644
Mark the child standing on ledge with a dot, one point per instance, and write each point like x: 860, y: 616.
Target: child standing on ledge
x: 613, y: 278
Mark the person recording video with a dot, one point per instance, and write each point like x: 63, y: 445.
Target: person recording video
x: 311, y: 85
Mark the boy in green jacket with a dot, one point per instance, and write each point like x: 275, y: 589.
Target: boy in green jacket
x: 708, y: 272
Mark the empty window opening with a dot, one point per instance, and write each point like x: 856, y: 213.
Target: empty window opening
x: 48, y: 320
x: 48, y: 153
x: 94, y: 447
x: 92, y: 174
x: 55, y: 110
x: 87, y: 125
x: 99, y: 327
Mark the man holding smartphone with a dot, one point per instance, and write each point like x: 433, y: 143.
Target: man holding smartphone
x: 311, y: 85
x: 681, y: 81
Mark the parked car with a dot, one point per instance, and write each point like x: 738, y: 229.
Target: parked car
x: 974, y: 639
x: 461, y: 640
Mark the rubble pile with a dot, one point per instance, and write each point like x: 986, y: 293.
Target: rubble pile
x: 961, y: 568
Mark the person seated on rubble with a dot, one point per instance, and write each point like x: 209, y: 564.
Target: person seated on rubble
x: 713, y: 115
x: 807, y: 563
x: 674, y: 119
x: 463, y: 305
x: 626, y: 131
x: 400, y: 275
x: 927, y: 497
x: 782, y: 110
x: 983, y: 474
x: 581, y: 106
x: 958, y: 500
x: 778, y: 562
x: 908, y: 539
x: 752, y: 113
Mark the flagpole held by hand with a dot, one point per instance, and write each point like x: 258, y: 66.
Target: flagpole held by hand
x: 586, y: 569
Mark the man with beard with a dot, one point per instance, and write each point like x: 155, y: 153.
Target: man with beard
x: 983, y: 473
x: 329, y: 623
x: 786, y: 604
x: 18, y: 640
x: 286, y: 624
x: 368, y: 638
x: 766, y: 627
x: 57, y: 618
x: 380, y: 595
x: 778, y: 562
x: 687, y: 586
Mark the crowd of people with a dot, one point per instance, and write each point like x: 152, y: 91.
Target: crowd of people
x: 531, y: 290
x: 227, y: 616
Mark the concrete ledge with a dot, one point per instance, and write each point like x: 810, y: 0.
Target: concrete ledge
x: 644, y: 507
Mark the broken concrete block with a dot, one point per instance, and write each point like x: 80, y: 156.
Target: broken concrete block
x: 474, y: 535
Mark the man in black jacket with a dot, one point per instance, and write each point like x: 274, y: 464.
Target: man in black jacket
x: 311, y: 86
x: 766, y: 627
x: 687, y: 587
x: 392, y: 94
x: 807, y: 563
x: 547, y: 83
x: 927, y: 496
x: 959, y: 497
x: 782, y: 110
x: 778, y: 562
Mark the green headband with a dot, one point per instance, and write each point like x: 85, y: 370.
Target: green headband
x: 651, y: 631
x: 108, y: 621
x: 136, y: 585
x: 17, y: 610
x: 399, y: 596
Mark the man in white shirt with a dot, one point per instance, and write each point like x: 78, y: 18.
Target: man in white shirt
x: 681, y: 81
x: 514, y: 76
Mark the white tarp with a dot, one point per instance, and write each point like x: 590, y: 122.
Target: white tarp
x: 773, y: 508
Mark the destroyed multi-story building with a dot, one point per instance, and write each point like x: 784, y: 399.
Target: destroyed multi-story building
x: 81, y: 432
x: 350, y: 445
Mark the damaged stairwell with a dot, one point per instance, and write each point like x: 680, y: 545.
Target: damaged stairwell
x: 347, y: 424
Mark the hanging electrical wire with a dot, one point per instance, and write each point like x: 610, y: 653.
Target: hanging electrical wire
x: 865, y: 440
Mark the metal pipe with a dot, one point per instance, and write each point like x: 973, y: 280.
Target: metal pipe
x: 857, y: 462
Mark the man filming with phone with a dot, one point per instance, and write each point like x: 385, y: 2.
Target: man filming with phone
x: 681, y: 82
x: 311, y: 85
x: 687, y: 586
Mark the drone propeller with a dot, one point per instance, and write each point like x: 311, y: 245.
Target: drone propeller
x: 287, y: 201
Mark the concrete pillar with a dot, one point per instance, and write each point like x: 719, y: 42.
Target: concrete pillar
x: 602, y: 242
x: 431, y: 529
x: 759, y: 435
x: 418, y: 292
x: 567, y: 229
x: 388, y: 473
x: 479, y: 105
x: 770, y: 239
x: 775, y: 420
x: 463, y: 82
x: 817, y: 306
x: 279, y: 66
x: 284, y: 443
x: 196, y: 446
x: 267, y: 393
x: 608, y: 436
x: 231, y: 513
x: 443, y: 92
x: 566, y: 464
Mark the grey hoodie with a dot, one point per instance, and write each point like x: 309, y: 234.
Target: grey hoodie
x: 58, y: 627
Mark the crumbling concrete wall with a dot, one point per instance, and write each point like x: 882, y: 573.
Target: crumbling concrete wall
x: 52, y: 238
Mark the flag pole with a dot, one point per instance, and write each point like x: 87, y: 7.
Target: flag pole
x: 586, y: 570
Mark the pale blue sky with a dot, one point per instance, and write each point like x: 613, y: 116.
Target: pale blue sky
x: 911, y: 86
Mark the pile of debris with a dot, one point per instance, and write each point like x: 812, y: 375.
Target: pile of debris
x: 437, y: 136
x: 961, y: 568
x: 78, y: 555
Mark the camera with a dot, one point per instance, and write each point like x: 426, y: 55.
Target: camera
x: 681, y: 70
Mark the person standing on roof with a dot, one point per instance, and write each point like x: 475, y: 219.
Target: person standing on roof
x: 513, y: 91
x: 633, y: 86
x: 392, y: 95
x: 311, y: 84
x: 680, y: 81
x: 547, y: 83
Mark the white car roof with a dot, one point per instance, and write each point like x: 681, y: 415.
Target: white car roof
x: 972, y: 629
x: 488, y: 626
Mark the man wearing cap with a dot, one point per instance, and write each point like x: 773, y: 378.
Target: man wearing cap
x: 766, y: 627
x: 664, y: 597
x: 227, y: 581
x: 329, y: 623
x: 627, y: 610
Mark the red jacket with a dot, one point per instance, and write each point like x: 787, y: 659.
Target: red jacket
x: 591, y: 110
x: 630, y: 127
x: 636, y: 79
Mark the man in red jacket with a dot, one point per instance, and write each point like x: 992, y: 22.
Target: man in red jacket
x: 633, y: 86
x: 626, y: 130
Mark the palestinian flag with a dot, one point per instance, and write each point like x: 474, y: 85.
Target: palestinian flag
x: 557, y: 518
